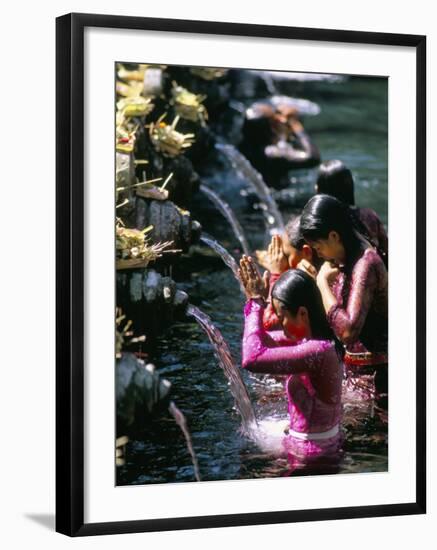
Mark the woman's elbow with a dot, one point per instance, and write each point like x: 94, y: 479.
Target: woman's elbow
x: 247, y: 362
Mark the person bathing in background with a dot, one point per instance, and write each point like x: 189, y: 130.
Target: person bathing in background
x: 311, y: 361
x: 288, y: 132
x: 353, y: 282
x: 335, y: 179
x: 275, y: 141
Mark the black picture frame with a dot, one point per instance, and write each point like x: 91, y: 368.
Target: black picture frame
x: 70, y: 273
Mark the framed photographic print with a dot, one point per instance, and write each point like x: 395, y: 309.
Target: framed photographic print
x: 237, y: 342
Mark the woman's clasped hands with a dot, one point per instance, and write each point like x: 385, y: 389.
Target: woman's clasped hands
x: 255, y: 286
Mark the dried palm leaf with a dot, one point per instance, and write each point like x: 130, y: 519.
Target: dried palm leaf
x: 188, y: 105
x: 135, y: 106
x: 123, y: 335
x: 167, y: 140
x: 136, y: 75
x: 133, y: 89
x: 208, y: 73
x: 134, y: 250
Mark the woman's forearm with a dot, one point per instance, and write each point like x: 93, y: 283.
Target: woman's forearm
x: 332, y: 310
x: 328, y: 297
x: 260, y: 353
x: 347, y: 319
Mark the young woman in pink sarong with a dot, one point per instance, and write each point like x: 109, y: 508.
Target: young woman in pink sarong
x: 305, y: 352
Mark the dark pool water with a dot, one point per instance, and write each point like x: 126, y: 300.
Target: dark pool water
x: 352, y: 126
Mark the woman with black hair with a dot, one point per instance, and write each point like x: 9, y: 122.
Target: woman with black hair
x: 283, y: 253
x: 353, y: 282
x: 306, y: 352
x: 336, y: 180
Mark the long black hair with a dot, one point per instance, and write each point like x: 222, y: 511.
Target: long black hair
x: 323, y: 214
x: 336, y: 179
x: 294, y: 289
x: 293, y: 233
x: 297, y: 240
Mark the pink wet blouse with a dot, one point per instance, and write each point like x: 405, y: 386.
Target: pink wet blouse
x: 361, y: 312
x: 270, y: 319
x: 315, y: 371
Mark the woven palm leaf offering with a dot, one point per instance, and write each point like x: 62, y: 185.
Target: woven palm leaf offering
x: 120, y: 120
x: 208, y: 73
x: 145, y: 189
x: 123, y: 334
x: 125, y: 132
x: 125, y: 139
x: 135, y: 106
x: 131, y: 89
x: 188, y: 105
x: 133, y: 250
x: 166, y: 139
x: 129, y: 75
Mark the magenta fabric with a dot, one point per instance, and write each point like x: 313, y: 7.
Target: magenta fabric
x: 360, y: 317
x: 313, y: 386
x: 270, y: 319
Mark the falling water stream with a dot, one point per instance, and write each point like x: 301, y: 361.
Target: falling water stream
x: 224, y: 208
x: 272, y: 217
x: 181, y: 421
x: 230, y: 368
x: 270, y: 84
x: 228, y: 259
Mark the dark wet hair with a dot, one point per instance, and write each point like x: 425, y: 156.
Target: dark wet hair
x: 294, y: 289
x: 297, y: 240
x: 293, y: 233
x: 323, y: 214
x: 336, y: 179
